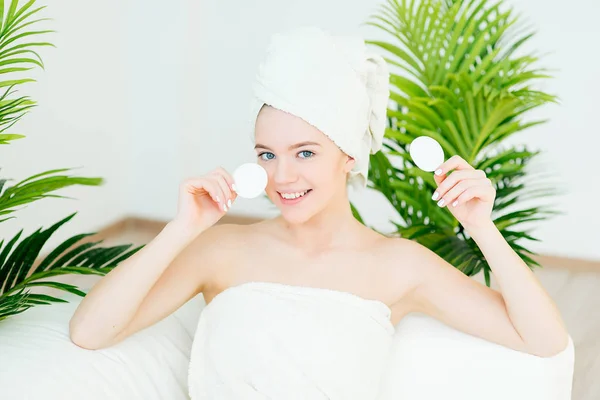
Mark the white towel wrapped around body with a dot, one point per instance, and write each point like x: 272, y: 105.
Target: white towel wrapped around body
x: 264, y: 340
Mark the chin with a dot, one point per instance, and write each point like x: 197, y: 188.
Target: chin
x: 296, y: 217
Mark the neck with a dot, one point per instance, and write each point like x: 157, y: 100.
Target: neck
x: 330, y: 228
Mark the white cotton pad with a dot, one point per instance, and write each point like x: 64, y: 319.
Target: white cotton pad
x: 250, y: 180
x: 426, y: 153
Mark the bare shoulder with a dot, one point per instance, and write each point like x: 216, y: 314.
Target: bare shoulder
x: 220, y: 246
x: 424, y: 264
x: 405, y: 264
x: 222, y: 235
x: 407, y: 254
x: 223, y: 240
x: 442, y: 291
x: 401, y: 254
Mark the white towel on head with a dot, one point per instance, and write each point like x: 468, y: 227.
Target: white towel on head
x: 331, y: 82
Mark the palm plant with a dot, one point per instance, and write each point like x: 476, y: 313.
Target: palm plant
x: 457, y: 78
x: 21, y: 267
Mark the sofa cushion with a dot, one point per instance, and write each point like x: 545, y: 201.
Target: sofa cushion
x: 430, y: 360
x: 39, y: 361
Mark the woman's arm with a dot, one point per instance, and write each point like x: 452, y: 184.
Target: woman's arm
x: 112, y: 309
x: 522, y: 315
x: 533, y: 313
x: 163, y: 275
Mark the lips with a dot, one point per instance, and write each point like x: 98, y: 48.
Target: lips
x: 293, y: 197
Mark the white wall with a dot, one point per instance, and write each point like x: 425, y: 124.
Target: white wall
x: 155, y: 39
x: 165, y: 92
x: 570, y: 140
x: 228, y: 49
x: 82, y: 120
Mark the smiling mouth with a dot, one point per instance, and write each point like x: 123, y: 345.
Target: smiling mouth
x: 293, y: 195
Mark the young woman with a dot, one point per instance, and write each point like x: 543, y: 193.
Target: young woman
x: 304, y: 305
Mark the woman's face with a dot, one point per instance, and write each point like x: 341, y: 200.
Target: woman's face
x: 306, y: 169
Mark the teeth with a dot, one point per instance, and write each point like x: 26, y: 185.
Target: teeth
x: 291, y: 196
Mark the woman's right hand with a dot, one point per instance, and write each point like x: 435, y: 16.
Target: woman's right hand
x: 204, y: 200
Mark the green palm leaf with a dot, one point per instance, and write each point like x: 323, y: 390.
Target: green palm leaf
x: 15, y: 25
x: 11, y: 110
x: 6, y: 138
x: 22, y: 270
x: 17, y: 56
x: 19, y: 275
x: 38, y: 187
x: 455, y: 78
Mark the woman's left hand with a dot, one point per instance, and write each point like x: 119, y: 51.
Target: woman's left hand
x: 467, y: 192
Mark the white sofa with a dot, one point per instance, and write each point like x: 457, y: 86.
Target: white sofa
x: 430, y: 361
x: 38, y: 361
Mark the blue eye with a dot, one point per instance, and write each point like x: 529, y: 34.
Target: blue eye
x: 306, y: 153
x: 266, y: 153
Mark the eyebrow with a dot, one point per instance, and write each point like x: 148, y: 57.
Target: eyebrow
x: 294, y: 146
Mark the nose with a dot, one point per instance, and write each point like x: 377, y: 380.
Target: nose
x: 285, y: 172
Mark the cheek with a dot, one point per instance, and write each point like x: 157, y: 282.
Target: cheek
x: 269, y: 168
x: 320, y: 171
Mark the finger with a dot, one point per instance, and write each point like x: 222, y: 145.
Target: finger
x: 220, y: 192
x: 448, y: 182
x: 228, y: 178
x: 454, y: 162
x: 483, y: 192
x: 451, y: 195
x: 223, y: 185
x: 198, y: 186
x: 229, y: 190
